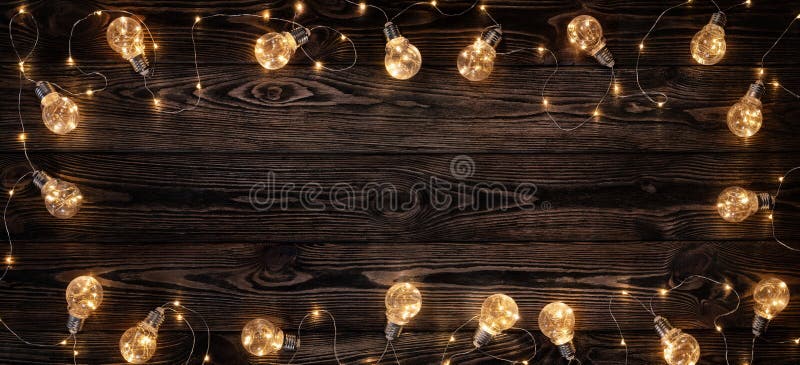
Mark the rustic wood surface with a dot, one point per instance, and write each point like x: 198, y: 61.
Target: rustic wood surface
x: 624, y: 203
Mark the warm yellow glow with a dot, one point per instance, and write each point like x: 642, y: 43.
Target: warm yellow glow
x: 403, y: 301
x: 362, y: 7
x: 299, y: 7
x: 89, y: 92
x: 402, y: 59
x: 64, y: 342
x: 343, y: 37
x: 557, y: 322
x: 596, y: 113
x: 84, y: 294
x: 156, y: 102
x: 11, y: 192
x: 59, y: 113
x: 708, y: 45
x: 545, y: 102
x: 624, y: 292
x: 745, y: 118
x: 617, y: 89
x: 138, y: 344
x: 22, y: 66
x: 433, y: 3
x: 622, y: 342
x: 728, y: 287
x: 315, y: 313
x: 680, y: 348
x: 663, y: 292
x: 206, y: 358
x: 735, y: 204
x: 125, y: 36
x: 585, y: 32
x: 61, y: 198
x: 198, y: 86
x: 452, y: 339
x: 22, y: 137
x: 660, y: 104
x: 261, y: 337
x: 179, y: 317
x: 9, y: 260
x: 780, y: 179
x: 274, y: 50
x: 483, y: 7
x: 197, y: 19
x: 75, y: 353
x: 98, y: 12
x: 476, y: 61
x: 176, y: 303
x: 22, y: 10
x: 771, y: 296
x: 155, y: 45
x: 266, y: 15
x: 498, y: 313
x: 318, y: 65
x: 641, y: 46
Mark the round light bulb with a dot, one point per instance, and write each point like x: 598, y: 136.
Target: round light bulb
x: 61, y: 198
x: 770, y: 297
x: 138, y: 344
x: 557, y: 322
x: 708, y: 45
x: 744, y: 117
x: 274, y: 50
x: 403, y: 302
x: 84, y: 295
x: 476, y: 61
x: 498, y: 313
x: 735, y: 204
x: 59, y: 113
x: 261, y: 337
x: 680, y: 348
x: 403, y: 59
x: 586, y: 33
x: 126, y: 37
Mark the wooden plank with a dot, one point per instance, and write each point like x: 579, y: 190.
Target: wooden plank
x: 100, y: 347
x: 207, y: 197
x: 750, y: 31
x: 301, y: 110
x: 287, y: 281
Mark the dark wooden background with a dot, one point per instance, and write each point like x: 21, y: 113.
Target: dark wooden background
x: 631, y: 196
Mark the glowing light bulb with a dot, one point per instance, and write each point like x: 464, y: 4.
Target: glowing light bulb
x: 557, y: 322
x: 735, y: 204
x: 403, y: 59
x: 680, y: 348
x: 403, y: 302
x: 260, y: 337
x: 274, y: 50
x: 138, y: 344
x: 708, y: 45
x: 770, y: 297
x: 586, y: 33
x: 476, y: 61
x: 59, y: 113
x: 125, y: 36
x: 744, y: 117
x: 62, y: 199
x: 84, y: 295
x: 498, y: 313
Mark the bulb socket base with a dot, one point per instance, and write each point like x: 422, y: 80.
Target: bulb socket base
x: 40, y: 178
x: 290, y: 342
x: 391, y: 31
x: 662, y: 326
x: 759, y: 325
x: 756, y: 90
x: 719, y: 18
x: 300, y: 35
x: 604, y: 57
x: 141, y: 65
x: 481, y: 338
x: 567, y: 350
x: 493, y: 36
x: 74, y: 324
x: 765, y: 201
x: 392, y: 331
x: 155, y: 318
x: 43, y: 88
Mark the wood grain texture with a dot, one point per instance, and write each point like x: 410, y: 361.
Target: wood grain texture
x: 301, y: 110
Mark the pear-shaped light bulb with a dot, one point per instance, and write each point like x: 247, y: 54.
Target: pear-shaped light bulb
x: 274, y: 50
x: 744, y: 117
x: 84, y: 295
x: 138, y: 344
x: 735, y: 204
x: 61, y: 198
x: 59, y: 113
x: 557, y: 322
x: 403, y: 59
x: 680, y: 348
x: 586, y: 33
x: 476, y: 61
x: 403, y: 302
x: 708, y: 45
x: 261, y: 337
x: 498, y: 313
x: 770, y: 297
x: 126, y: 37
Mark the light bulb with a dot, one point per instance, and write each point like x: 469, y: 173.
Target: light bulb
x: 59, y: 113
x: 138, y: 344
x: 84, y: 295
x: 125, y: 36
x: 274, y: 50
x: 403, y: 302
x: 770, y: 297
x: 708, y: 45
x: 586, y: 33
x: 498, y: 313
x: 476, y: 61
x: 557, y: 322
x: 403, y: 59
x: 260, y: 337
x: 62, y: 199
x: 680, y: 348
x: 744, y: 117
x: 735, y: 204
